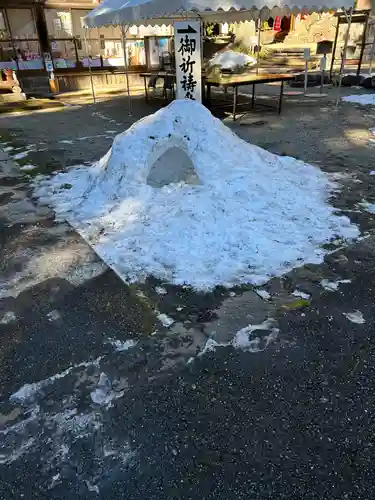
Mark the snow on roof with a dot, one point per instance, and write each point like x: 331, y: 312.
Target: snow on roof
x: 230, y: 59
x: 254, y: 214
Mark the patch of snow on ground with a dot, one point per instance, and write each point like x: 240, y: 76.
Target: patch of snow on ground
x: 252, y: 338
x: 21, y: 155
x: 332, y: 286
x: 211, y: 345
x: 363, y: 99
x: 355, y: 317
x: 122, y: 345
x: 369, y: 207
x: 255, y: 215
x: 340, y: 176
x: 231, y: 60
x: 92, y: 487
x: 8, y: 317
x: 302, y: 295
x: 50, y: 427
x: 28, y: 392
x: 165, y: 320
x: 53, y: 315
x: 28, y: 167
x: 247, y: 339
x: 86, y: 137
x: 264, y: 294
x: 104, y: 394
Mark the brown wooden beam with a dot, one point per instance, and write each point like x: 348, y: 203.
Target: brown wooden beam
x: 71, y: 4
x: 17, y: 4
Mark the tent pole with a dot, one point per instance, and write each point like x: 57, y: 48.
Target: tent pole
x: 363, y: 45
x: 342, y: 66
x: 334, y: 48
x: 90, y: 72
x: 258, y: 51
x: 123, y: 31
x: 372, y: 55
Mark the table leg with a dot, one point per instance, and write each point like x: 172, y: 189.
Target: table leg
x: 165, y: 91
x: 235, y: 95
x: 281, y: 95
x: 253, y: 96
x: 146, y: 92
x: 208, y: 96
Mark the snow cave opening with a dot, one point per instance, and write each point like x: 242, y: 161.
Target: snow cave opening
x: 173, y: 165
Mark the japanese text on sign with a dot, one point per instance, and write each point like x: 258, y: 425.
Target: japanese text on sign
x: 188, y: 60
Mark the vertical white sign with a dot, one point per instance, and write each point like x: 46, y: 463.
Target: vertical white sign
x: 187, y: 43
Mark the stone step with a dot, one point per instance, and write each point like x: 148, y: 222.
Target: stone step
x: 12, y: 97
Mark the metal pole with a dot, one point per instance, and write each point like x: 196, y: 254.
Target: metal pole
x: 258, y: 52
x: 372, y: 55
x: 349, y: 21
x: 123, y: 31
x: 306, y: 76
x: 323, y: 64
x: 90, y: 72
x: 334, y: 48
x: 363, y: 45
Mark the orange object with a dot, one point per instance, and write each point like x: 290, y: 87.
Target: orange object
x: 54, y: 86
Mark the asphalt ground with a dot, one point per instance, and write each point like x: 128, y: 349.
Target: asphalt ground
x: 118, y: 405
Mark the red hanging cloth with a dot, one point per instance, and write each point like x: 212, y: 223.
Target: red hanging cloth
x: 277, y: 24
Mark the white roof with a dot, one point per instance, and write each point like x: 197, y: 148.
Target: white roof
x: 129, y: 12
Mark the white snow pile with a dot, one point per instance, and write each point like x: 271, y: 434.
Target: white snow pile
x: 252, y: 215
x: 362, y: 99
x: 231, y: 60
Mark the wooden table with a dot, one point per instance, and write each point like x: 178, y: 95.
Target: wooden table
x: 158, y: 74
x: 236, y: 81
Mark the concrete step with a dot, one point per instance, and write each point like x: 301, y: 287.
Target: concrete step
x: 41, y: 93
x: 12, y: 97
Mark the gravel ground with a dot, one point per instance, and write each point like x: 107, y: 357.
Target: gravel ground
x: 150, y: 418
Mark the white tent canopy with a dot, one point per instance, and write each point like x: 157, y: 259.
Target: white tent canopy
x: 130, y: 12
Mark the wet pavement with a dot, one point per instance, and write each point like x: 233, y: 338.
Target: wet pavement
x: 115, y: 391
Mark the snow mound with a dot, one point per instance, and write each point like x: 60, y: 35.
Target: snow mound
x: 253, y: 215
x: 362, y: 99
x: 231, y: 60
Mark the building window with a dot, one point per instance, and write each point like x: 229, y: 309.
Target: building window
x: 102, y: 42
x: 59, y: 23
x: 3, y: 28
x: 77, y: 22
x: 21, y: 23
x: 23, y: 52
